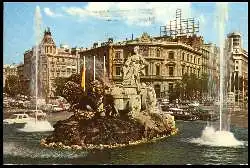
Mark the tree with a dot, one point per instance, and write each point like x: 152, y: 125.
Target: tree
x: 59, y: 83
x: 12, y: 85
x: 204, y: 83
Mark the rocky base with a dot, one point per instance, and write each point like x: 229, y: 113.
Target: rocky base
x: 88, y: 132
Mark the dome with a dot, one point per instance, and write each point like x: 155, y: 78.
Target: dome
x: 64, y: 46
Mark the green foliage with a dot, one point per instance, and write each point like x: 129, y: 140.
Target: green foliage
x: 189, y: 87
x: 12, y: 85
x: 59, y: 83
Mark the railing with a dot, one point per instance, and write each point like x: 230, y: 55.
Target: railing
x: 118, y: 60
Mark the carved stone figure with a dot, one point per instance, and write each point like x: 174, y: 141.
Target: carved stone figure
x: 133, y: 69
x: 151, y: 98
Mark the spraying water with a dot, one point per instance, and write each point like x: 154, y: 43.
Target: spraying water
x: 36, y: 125
x: 222, y: 17
x: 210, y: 136
x: 38, y: 19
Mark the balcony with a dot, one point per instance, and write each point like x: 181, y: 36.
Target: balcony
x: 153, y: 58
x: 118, y: 61
x: 161, y: 77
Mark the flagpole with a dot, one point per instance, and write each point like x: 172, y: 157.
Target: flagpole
x: 234, y: 89
x: 230, y: 83
x: 243, y: 88
x: 84, y: 69
x: 94, y: 67
x: 104, y: 70
x: 238, y: 89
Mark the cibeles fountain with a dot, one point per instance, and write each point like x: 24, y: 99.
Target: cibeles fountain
x: 113, y: 115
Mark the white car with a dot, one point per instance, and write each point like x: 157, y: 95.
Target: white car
x: 56, y: 108
x: 18, y: 119
x: 39, y: 113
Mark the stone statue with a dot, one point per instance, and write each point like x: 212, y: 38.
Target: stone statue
x: 151, y: 98
x: 132, y: 69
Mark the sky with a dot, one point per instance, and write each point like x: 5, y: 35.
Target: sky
x: 80, y: 24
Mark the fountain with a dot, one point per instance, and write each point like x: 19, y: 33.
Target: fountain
x: 36, y: 125
x: 111, y: 115
x: 223, y: 136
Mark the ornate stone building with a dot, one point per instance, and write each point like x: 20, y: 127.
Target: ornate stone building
x: 238, y: 62
x: 53, y: 62
x: 168, y: 58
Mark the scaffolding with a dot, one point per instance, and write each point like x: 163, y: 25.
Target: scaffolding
x: 180, y: 27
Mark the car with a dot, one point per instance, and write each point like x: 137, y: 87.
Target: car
x: 18, y: 119
x: 56, y: 108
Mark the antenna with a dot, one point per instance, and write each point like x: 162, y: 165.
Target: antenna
x: 180, y: 26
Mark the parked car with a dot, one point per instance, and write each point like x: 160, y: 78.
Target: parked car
x: 56, y: 108
x: 18, y: 119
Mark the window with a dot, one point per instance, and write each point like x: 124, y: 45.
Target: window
x: 171, y: 71
x: 146, y: 70
x: 158, y: 53
x: 188, y: 58
x: 157, y: 70
x: 63, y: 60
x: 157, y: 90
x: 182, y: 70
x: 236, y: 62
x: 236, y: 67
x: 171, y: 55
x: 144, y: 51
x: 170, y: 87
x: 194, y: 60
x: 191, y: 58
x: 183, y: 56
x: 118, y: 71
x: 118, y: 55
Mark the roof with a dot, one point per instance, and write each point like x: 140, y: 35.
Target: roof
x: 234, y: 34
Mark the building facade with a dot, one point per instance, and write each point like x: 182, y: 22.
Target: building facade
x: 53, y: 62
x: 168, y: 59
x: 9, y: 70
x: 238, y: 64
